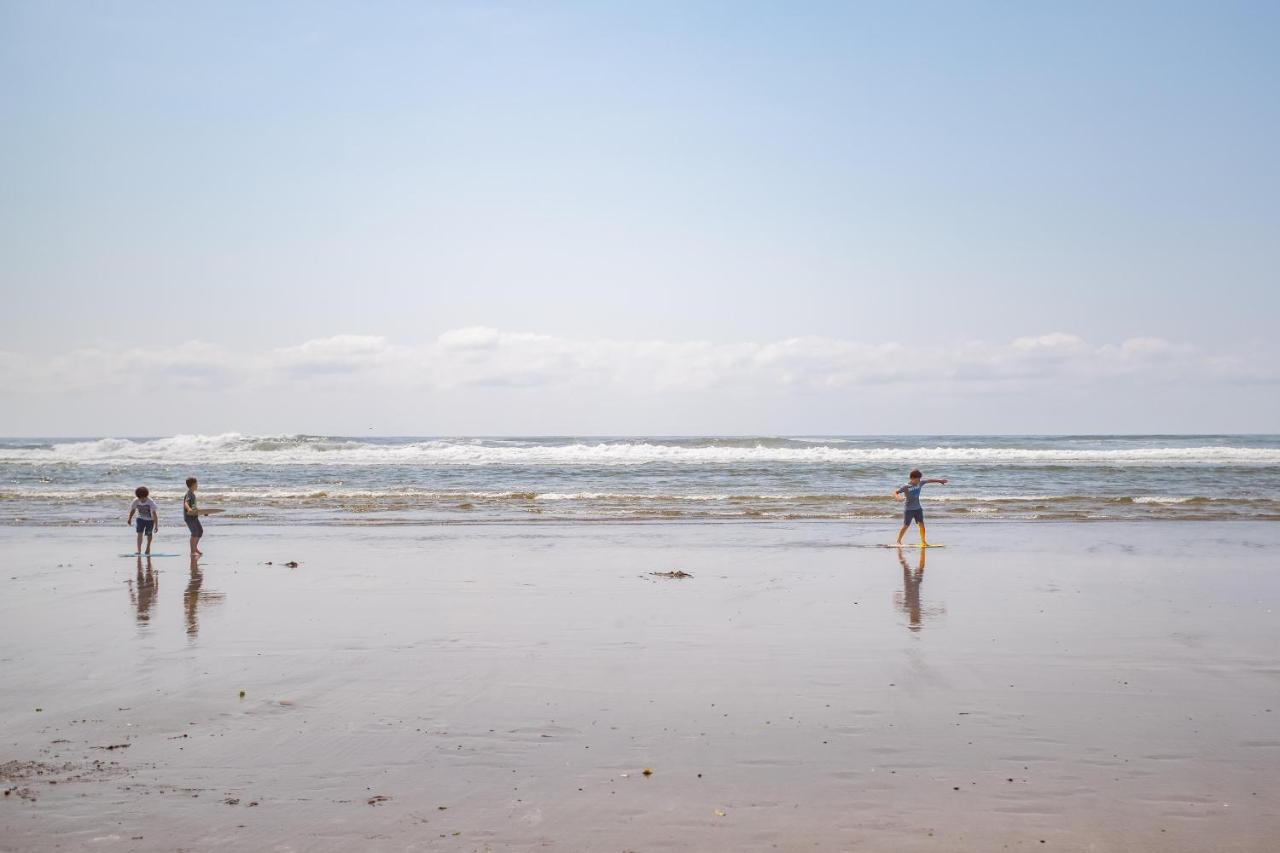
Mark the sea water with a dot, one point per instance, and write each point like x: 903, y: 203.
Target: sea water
x: 335, y: 479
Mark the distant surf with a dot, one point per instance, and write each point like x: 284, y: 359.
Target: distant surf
x: 337, y: 479
x: 234, y: 448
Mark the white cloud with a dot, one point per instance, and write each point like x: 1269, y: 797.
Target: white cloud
x: 1054, y: 342
x: 332, y: 357
x: 474, y: 337
x: 485, y: 357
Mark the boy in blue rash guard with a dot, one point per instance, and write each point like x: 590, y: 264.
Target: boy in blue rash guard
x: 911, y: 493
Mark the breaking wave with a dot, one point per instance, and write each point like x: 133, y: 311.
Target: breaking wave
x: 237, y: 449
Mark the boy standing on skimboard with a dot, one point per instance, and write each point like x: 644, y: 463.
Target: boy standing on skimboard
x: 911, y: 493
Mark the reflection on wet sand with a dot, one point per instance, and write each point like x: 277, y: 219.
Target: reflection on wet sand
x: 195, y: 596
x: 908, y: 600
x: 142, y: 591
x: 145, y: 586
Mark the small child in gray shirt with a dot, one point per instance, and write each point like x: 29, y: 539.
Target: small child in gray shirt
x: 148, y: 517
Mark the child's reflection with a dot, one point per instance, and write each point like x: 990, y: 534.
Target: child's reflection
x: 191, y: 598
x: 142, y: 591
x: 195, y: 596
x: 908, y: 600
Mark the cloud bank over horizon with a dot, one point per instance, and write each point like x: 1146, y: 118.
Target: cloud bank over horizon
x: 488, y: 368
x: 483, y: 356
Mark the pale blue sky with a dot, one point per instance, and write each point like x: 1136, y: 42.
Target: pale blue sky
x: 254, y: 176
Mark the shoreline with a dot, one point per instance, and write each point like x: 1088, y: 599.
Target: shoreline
x: 234, y: 521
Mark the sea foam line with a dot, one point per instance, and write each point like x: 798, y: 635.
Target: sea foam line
x: 237, y: 449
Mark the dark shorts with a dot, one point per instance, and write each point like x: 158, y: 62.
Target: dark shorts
x: 908, y: 514
x: 194, y: 525
x: 144, y: 525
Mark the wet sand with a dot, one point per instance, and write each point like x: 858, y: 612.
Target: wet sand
x: 1103, y: 687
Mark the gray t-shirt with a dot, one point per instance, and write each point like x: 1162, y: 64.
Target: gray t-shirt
x: 146, y: 508
x: 189, y: 499
x: 912, y: 493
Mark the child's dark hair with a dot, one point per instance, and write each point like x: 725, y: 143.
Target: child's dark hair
x: 191, y: 481
x: 142, y: 492
x: 915, y: 475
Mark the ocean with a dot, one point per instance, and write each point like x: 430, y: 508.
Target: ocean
x: 307, y: 479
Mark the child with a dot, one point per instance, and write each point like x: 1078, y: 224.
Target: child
x: 148, y: 517
x: 911, y: 491
x: 191, y: 516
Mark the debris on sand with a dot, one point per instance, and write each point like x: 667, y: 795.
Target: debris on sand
x: 647, y: 772
x: 378, y: 798
x: 112, y: 746
x: 678, y: 573
x: 292, y: 564
x: 20, y: 772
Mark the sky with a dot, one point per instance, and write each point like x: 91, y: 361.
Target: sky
x: 530, y: 218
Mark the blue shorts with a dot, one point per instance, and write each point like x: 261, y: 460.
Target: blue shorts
x: 194, y: 525
x: 145, y: 525
x: 908, y: 514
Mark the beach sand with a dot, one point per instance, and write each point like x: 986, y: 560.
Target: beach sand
x: 1039, y: 686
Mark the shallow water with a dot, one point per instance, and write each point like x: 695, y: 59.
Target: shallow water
x: 314, y: 479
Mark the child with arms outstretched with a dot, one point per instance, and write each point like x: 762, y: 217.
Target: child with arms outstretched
x: 913, y: 511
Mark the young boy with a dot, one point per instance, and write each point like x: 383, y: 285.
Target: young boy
x: 148, y: 517
x: 191, y: 516
x: 911, y: 491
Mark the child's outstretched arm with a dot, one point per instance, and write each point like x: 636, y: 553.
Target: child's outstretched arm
x: 897, y: 494
x: 939, y: 482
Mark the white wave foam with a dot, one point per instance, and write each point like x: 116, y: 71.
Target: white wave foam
x: 251, y: 493
x: 338, y: 495
x: 625, y: 496
x: 935, y: 495
x: 237, y: 449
